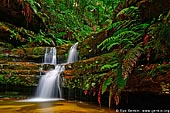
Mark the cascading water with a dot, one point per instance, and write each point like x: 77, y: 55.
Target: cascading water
x: 49, y: 86
x: 50, y: 55
x: 73, y: 54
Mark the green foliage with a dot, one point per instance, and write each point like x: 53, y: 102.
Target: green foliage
x: 129, y: 12
x: 47, y: 38
x: 109, y: 66
x: 81, y: 18
x: 13, y: 34
x: 106, y: 83
x: 34, y: 5
x: 40, y: 38
x: 125, y: 36
x: 127, y: 40
x: 130, y: 60
x: 128, y: 33
x: 1, y: 78
x: 158, y: 69
x: 158, y: 43
x: 119, y: 81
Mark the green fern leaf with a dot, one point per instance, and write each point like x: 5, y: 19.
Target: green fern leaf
x: 130, y: 60
x: 131, y: 11
x: 109, y: 66
x: 106, y: 83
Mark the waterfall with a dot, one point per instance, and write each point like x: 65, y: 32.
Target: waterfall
x: 50, y: 55
x: 73, y: 54
x: 49, y: 86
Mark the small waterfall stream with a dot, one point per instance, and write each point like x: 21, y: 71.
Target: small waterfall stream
x: 49, y: 86
x: 50, y: 55
x: 73, y: 54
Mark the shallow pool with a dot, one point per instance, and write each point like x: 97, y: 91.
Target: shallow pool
x: 60, y: 106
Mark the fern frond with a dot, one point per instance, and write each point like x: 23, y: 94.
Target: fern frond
x: 130, y: 11
x: 106, y: 42
x: 119, y: 37
x: 118, y: 23
x: 130, y: 60
x: 106, y: 83
x: 109, y: 66
x: 119, y: 81
x: 121, y: 24
x: 139, y: 27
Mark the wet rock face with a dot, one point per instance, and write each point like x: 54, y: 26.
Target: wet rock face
x: 11, y: 12
x: 19, y: 73
x: 153, y: 8
x: 88, y: 48
x: 23, y: 66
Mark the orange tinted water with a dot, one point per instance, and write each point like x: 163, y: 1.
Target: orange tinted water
x: 12, y: 106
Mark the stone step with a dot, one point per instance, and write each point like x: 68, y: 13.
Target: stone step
x: 20, y: 65
x: 25, y: 80
x: 2, y: 61
x: 30, y: 58
x: 35, y: 54
x: 20, y: 58
x: 4, y: 65
x: 21, y: 72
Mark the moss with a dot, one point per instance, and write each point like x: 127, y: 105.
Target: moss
x: 35, y: 50
x: 88, y: 48
x: 19, y: 80
x: 1, y: 78
x: 63, y: 49
x: 88, y: 66
x: 38, y: 50
x: 16, y: 51
x: 2, y: 56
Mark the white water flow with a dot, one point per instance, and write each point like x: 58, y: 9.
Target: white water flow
x: 49, y: 86
x: 73, y: 54
x: 50, y: 55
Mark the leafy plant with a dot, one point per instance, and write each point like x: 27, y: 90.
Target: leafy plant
x: 127, y: 39
x: 130, y: 60
x: 1, y: 78
x: 106, y: 83
x: 129, y: 13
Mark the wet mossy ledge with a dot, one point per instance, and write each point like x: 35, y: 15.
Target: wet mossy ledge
x: 22, y: 73
x: 88, y: 66
x: 151, y: 78
x: 33, y: 54
x: 23, y: 66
